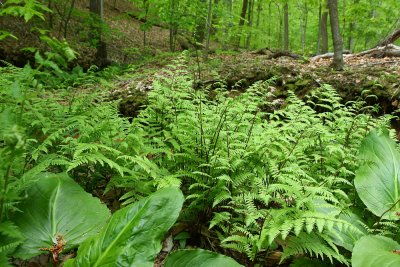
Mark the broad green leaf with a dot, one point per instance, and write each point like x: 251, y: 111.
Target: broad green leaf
x: 57, y: 206
x: 373, y: 251
x: 199, y: 258
x: 378, y: 180
x: 134, y: 234
x: 347, y: 238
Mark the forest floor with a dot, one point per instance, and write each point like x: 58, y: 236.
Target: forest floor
x: 238, y: 71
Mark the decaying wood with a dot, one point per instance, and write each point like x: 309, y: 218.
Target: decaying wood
x: 390, y: 39
x: 390, y: 50
x: 188, y: 43
x: 276, y: 54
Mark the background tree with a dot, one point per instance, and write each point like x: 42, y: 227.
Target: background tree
x: 286, y: 25
x: 242, y: 21
x: 324, y: 27
x: 338, y: 62
x: 97, y: 9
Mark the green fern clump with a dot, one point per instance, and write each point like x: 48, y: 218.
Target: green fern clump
x: 257, y: 179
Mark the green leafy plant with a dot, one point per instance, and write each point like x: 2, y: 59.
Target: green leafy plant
x: 198, y: 258
x: 376, y: 251
x: 378, y: 180
x: 56, y: 207
x: 134, y: 234
x: 377, y: 184
x: 24, y: 8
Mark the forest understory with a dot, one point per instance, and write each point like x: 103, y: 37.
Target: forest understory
x: 199, y: 133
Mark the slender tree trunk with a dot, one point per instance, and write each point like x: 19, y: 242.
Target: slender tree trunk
x: 303, y: 25
x: 344, y: 19
x: 173, y: 27
x: 269, y: 24
x: 259, y: 9
x: 280, y: 43
x: 97, y: 9
x: 286, y: 25
x: 250, y: 23
x: 337, y: 63
x: 324, y: 28
x: 50, y: 6
x: 146, y: 13
x: 241, y: 21
x: 352, y: 27
x: 209, y: 25
x: 319, y: 28
x: 201, y: 25
x: 229, y: 25
x: 68, y: 18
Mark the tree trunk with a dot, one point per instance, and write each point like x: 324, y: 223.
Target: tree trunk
x: 50, y: 6
x: 303, y: 25
x: 259, y: 9
x: 337, y: 63
x: 280, y: 43
x: 97, y: 9
x: 146, y: 13
x: 173, y: 27
x: 324, y: 28
x: 286, y: 25
x: 229, y: 25
x: 250, y: 23
x: 352, y: 27
x: 201, y: 26
x: 209, y: 25
x: 68, y: 18
x: 241, y: 21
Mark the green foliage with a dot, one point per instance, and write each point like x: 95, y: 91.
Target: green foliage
x: 198, y: 257
x: 51, y: 131
x: 24, y: 8
x: 53, y: 209
x: 134, y: 234
x: 257, y: 179
x: 376, y: 251
x: 377, y: 180
x: 377, y: 185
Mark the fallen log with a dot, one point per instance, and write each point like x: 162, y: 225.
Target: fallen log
x: 327, y: 55
x: 276, y: 54
x: 389, y: 50
x: 390, y: 39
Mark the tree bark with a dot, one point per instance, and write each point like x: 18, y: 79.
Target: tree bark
x: 229, y: 25
x: 286, y: 26
x: 338, y: 62
x: 209, y: 25
x: 201, y: 25
x: 250, y: 22
x: 324, y: 28
x: 241, y: 21
x: 97, y: 8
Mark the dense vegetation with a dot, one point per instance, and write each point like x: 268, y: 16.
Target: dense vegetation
x: 202, y: 175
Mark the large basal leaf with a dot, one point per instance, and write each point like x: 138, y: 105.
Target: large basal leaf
x: 199, y: 258
x: 345, y: 237
x: 377, y: 181
x: 134, y: 234
x: 376, y: 251
x: 57, y: 206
